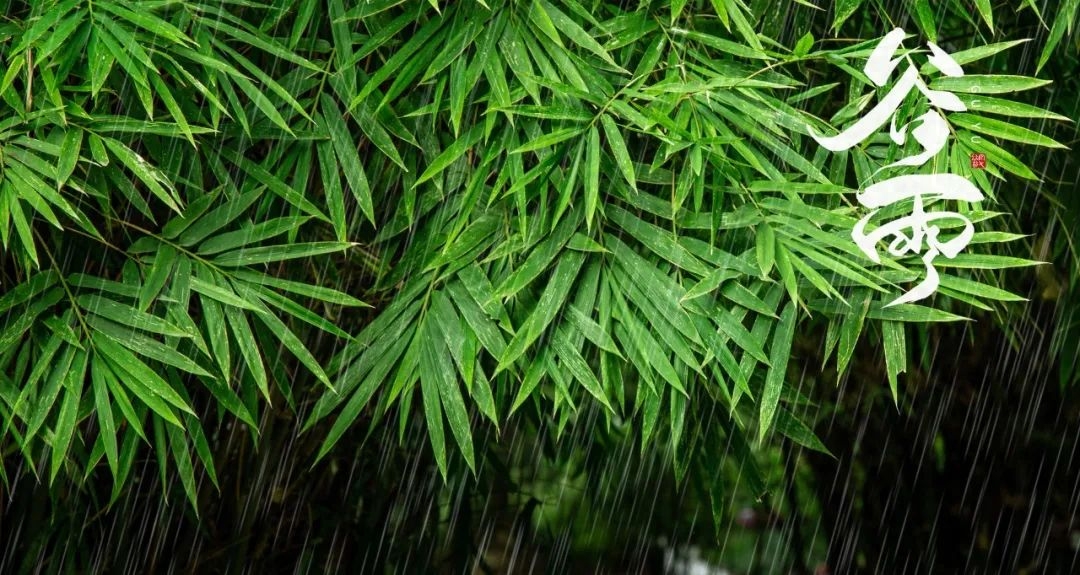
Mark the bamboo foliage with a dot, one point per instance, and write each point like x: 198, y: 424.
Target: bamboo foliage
x: 557, y: 206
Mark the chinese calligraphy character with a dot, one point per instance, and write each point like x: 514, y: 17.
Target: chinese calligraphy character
x: 978, y: 161
x: 931, y: 133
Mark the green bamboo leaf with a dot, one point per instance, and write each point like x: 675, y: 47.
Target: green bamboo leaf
x: 549, y: 112
x: 123, y: 39
x: 1066, y: 16
x: 461, y: 38
x: 717, y: 345
x: 659, y: 290
x: 551, y: 301
x: 192, y: 213
x: 201, y: 227
x: 179, y: 448
x: 147, y: 21
x: 739, y: 294
x: 835, y: 264
x: 249, y: 349
x: 202, y: 448
x: 61, y: 326
x: 572, y: 361
x: 650, y: 415
x: 544, y: 23
x: 436, y: 365
x: 293, y: 344
x: 251, y: 234
x: 978, y: 289
x: 591, y: 330
x: 328, y: 295
x: 47, y: 396
x: 260, y: 41
x: 162, y: 90
x: 35, y: 197
x: 797, y: 431
x: 458, y: 340
x: 592, y: 175
x: 642, y: 348
x: 547, y: 140
x: 46, y: 21
x: 100, y: 62
x: 221, y: 294
x: 452, y: 153
x: 145, y: 346
x: 64, y: 430
x: 986, y: 12
x: 368, y: 9
x: 995, y: 155
x: 127, y: 457
x: 805, y: 44
x: 765, y: 248
x: 154, y: 180
x: 709, y: 283
x: 975, y: 54
x: 38, y: 284
x: 987, y: 84
x: 984, y: 262
x: 69, y: 156
x: 618, y: 150
x: 924, y: 16
x: 274, y: 184
x: 157, y: 276
x: 104, y: 413
x: 991, y: 105
x: 433, y: 411
x: 895, y: 352
x: 774, y: 380
x: 371, y: 124
x: 1003, y: 130
x: 662, y: 242
x: 735, y: 10
x: 407, y: 53
x: 277, y: 253
x: 576, y: 33
x: 738, y: 333
x: 850, y: 329
x: 144, y: 382
x: 257, y: 97
x: 583, y: 243
x: 129, y: 316
x: 330, y: 175
x: 539, y: 260
x: 483, y: 395
x: 842, y: 10
x: 724, y: 45
x: 360, y: 397
x: 487, y: 332
x: 123, y: 404
x: 910, y: 313
x: 664, y: 325
x: 348, y: 159
x: 298, y: 311
x: 792, y: 188
x: 462, y: 248
x: 104, y: 124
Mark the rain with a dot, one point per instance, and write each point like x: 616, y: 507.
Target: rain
x: 485, y: 287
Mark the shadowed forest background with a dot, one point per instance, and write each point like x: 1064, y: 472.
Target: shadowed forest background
x: 538, y: 286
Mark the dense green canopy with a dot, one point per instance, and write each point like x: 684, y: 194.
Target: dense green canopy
x: 598, y: 223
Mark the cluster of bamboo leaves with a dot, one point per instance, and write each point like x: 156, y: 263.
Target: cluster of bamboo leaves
x: 556, y: 206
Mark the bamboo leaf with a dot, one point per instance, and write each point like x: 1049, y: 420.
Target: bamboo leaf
x: 778, y: 358
x: 435, y: 365
x: 277, y: 253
